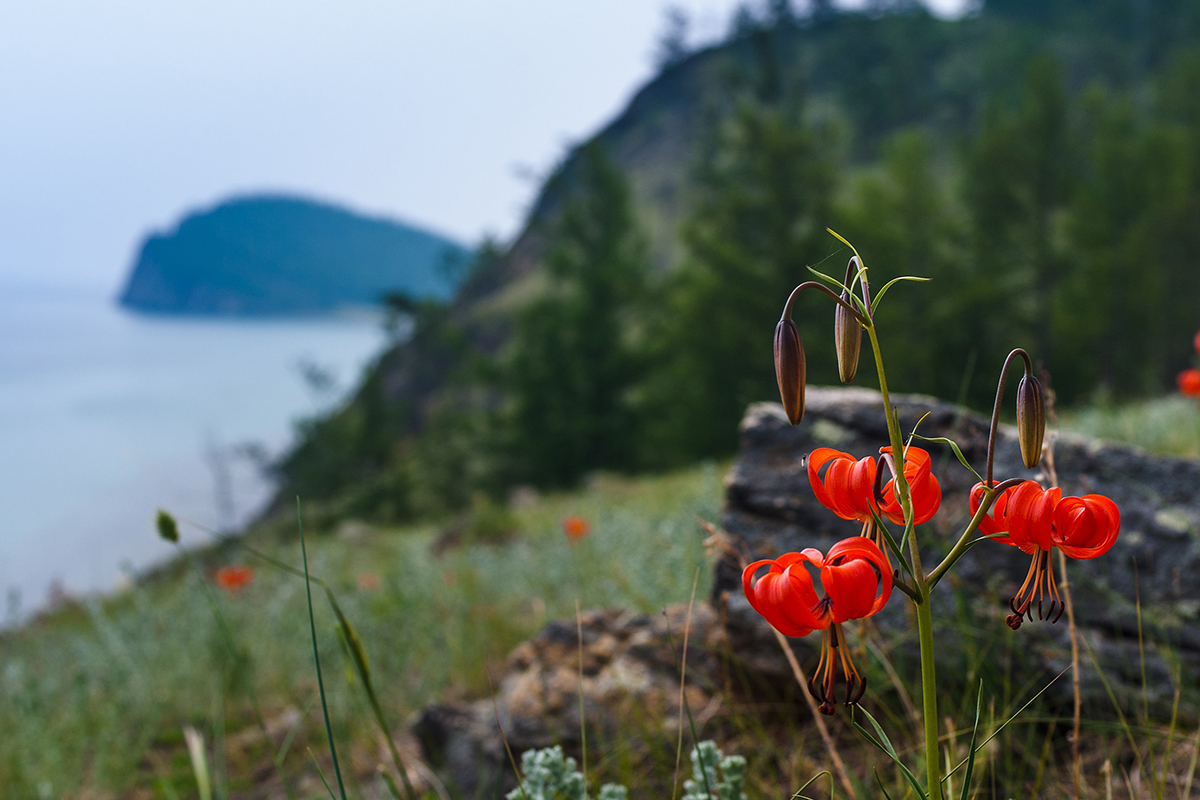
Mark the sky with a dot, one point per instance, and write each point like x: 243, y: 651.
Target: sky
x: 120, y: 117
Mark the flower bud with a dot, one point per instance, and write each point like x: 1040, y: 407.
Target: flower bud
x: 167, y: 529
x: 1031, y: 420
x: 789, y: 369
x: 847, y: 335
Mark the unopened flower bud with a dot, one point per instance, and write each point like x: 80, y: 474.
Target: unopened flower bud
x: 847, y: 335
x: 167, y: 529
x: 790, y: 369
x: 1031, y: 420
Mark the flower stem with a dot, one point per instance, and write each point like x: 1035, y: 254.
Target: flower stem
x: 933, y: 766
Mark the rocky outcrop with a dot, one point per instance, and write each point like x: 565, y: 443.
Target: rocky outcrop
x: 629, y: 682
x: 770, y: 509
x: 630, y: 661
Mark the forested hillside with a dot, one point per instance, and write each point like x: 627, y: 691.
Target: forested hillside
x: 1039, y: 161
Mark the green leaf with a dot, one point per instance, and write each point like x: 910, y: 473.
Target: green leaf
x: 1006, y: 722
x: 966, y: 789
x: 914, y: 432
x: 885, y: 745
x: 876, y: 300
x: 834, y: 282
x: 953, y: 446
x: 846, y: 242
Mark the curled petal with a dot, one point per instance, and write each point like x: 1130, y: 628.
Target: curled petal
x: 784, y: 596
x: 1086, y: 527
x: 923, y: 487
x: 1030, y: 515
x: 860, y: 551
x: 996, y: 520
x: 847, y: 485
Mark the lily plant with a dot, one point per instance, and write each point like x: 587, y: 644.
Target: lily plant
x: 856, y: 576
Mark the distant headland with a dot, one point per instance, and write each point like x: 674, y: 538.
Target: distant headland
x: 272, y: 255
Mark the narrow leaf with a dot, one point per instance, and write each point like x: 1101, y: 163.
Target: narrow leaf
x: 953, y: 446
x: 885, y: 745
x: 893, y: 282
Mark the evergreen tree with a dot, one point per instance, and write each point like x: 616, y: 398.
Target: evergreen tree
x: 573, y: 360
x: 765, y: 194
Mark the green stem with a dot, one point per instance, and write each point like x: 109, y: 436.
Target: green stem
x: 933, y: 766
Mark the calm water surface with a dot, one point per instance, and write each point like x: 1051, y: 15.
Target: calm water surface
x: 106, y: 416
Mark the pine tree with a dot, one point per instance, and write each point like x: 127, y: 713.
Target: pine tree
x: 573, y: 359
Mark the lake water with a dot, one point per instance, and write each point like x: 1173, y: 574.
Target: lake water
x: 106, y: 416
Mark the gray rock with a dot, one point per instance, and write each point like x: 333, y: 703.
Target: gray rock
x: 630, y: 672
x: 770, y: 509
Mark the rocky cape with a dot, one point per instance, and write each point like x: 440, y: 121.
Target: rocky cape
x: 274, y: 255
x: 630, y: 662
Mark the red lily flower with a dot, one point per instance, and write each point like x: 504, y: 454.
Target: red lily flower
x: 996, y: 520
x: 857, y: 581
x: 1189, y: 383
x: 1039, y: 520
x: 923, y: 487
x: 848, y: 486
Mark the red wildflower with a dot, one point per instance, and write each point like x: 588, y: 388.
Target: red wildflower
x: 1189, y: 383
x: 234, y: 578
x: 857, y: 582
x: 575, y: 527
x: 1196, y: 341
x: 1039, y: 520
x: 923, y: 487
x: 848, y: 486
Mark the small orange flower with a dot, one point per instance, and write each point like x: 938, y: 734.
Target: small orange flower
x: 234, y: 578
x: 575, y: 527
x: 368, y: 581
x: 1189, y: 382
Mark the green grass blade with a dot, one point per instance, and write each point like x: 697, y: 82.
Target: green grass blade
x: 810, y: 781
x: 321, y: 774
x: 879, y: 783
x: 195, y: 748
x: 1006, y: 722
x: 884, y: 744
x: 966, y: 789
x: 359, y: 659
x: 312, y: 625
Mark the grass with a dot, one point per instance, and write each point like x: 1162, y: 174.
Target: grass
x: 1167, y: 425
x: 95, y: 696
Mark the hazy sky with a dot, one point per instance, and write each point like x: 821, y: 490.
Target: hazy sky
x: 117, y: 117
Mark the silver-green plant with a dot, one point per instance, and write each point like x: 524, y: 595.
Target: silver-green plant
x: 714, y: 775
x: 548, y: 774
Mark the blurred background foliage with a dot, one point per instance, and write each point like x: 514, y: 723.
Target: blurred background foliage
x: 1039, y: 161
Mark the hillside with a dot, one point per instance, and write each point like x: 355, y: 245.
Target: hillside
x: 273, y: 255
x: 1036, y: 160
